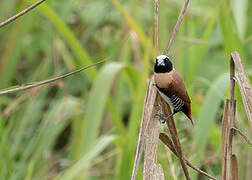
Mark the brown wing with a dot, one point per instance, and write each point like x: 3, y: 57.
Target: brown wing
x: 173, y: 84
x: 177, y: 87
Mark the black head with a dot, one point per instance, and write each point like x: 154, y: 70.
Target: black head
x: 162, y: 64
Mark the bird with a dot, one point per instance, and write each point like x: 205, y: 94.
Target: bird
x: 171, y: 87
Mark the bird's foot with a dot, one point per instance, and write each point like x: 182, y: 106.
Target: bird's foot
x: 162, y: 118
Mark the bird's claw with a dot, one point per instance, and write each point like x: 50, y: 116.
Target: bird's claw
x: 162, y: 118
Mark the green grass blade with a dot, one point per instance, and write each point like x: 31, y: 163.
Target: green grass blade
x: 97, y: 104
x: 207, y: 116
x: 240, y: 9
x: 200, y: 50
x: 10, y: 57
x: 83, y: 58
x: 84, y: 161
x: 128, y: 146
x: 52, y: 124
x: 133, y: 25
x: 231, y: 38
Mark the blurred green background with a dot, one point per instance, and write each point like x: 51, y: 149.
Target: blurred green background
x: 86, y: 126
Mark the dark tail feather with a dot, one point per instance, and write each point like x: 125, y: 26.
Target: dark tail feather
x: 190, y: 117
x: 187, y: 111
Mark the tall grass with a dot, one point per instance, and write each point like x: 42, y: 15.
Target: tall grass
x: 86, y: 126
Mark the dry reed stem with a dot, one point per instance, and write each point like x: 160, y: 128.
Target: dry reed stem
x: 244, y: 85
x: 152, y: 171
x: 158, y: 172
x: 156, y: 25
x: 172, y: 129
x: 248, y: 166
x: 148, y: 135
x: 224, y: 131
x: 229, y: 160
x: 147, y: 109
x: 231, y: 117
x: 168, y: 142
x: 176, y: 27
x: 13, y: 18
x: 40, y: 83
x: 228, y: 121
x: 227, y: 135
x: 234, y: 168
x: 135, y: 48
x: 232, y: 81
x: 155, y: 171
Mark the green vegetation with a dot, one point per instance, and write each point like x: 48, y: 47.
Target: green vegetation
x: 86, y: 126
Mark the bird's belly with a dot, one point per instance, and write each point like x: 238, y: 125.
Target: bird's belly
x: 176, y: 102
x: 173, y: 100
x: 165, y: 97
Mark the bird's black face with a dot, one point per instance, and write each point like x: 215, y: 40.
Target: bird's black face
x: 162, y: 64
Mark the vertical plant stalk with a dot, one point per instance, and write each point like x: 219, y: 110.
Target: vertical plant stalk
x: 228, y: 122
x: 174, y: 135
x: 166, y: 108
x: 244, y: 85
x: 150, y: 126
x: 176, y: 27
x: 156, y: 25
x: 13, y: 18
x: 234, y: 167
x: 148, y: 135
x: 145, y: 115
x: 224, y: 131
x: 152, y: 170
x: 229, y: 160
x: 232, y: 81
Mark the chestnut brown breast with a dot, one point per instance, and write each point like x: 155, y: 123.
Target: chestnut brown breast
x: 173, y: 84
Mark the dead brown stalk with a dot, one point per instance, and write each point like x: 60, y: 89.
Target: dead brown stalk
x: 150, y: 99
x: 229, y: 160
x: 168, y: 142
x: 148, y: 135
x: 152, y: 170
x: 13, y: 18
x: 156, y: 25
x: 228, y: 122
x: 150, y: 126
x: 176, y: 27
x: 227, y: 135
x: 244, y: 85
x: 173, y: 131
